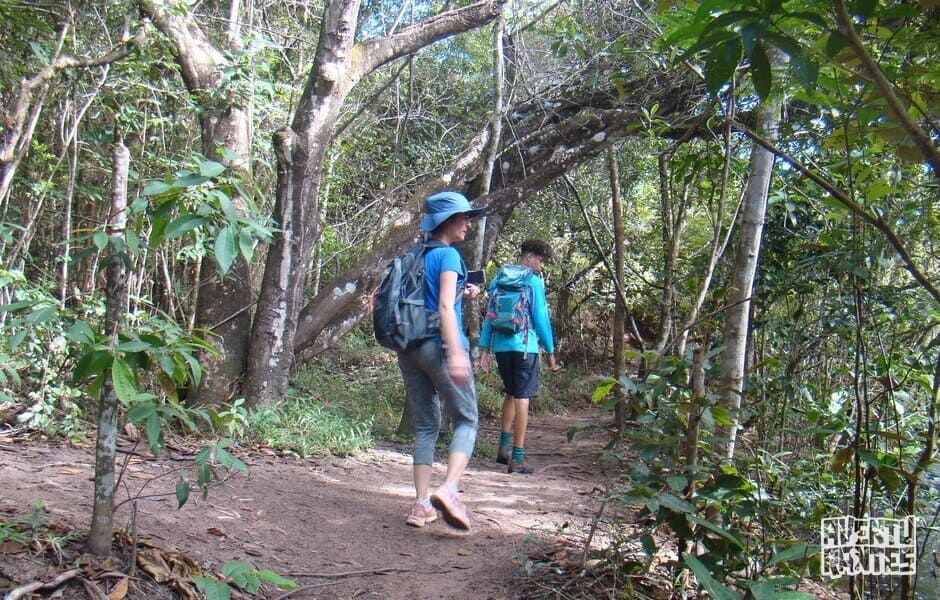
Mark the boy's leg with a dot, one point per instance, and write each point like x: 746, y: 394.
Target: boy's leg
x: 521, y: 421
x: 504, y: 360
x: 505, y: 433
x: 525, y: 382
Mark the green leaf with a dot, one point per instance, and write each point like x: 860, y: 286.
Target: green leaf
x: 677, y: 483
x: 156, y: 188
x: 141, y: 411
x: 41, y: 315
x: 675, y: 504
x: 212, y: 589
x: 190, y: 180
x: 182, y: 493
x: 812, y: 17
x: 235, y: 569
x: 805, y: 70
x: 879, y: 190
x: 184, y: 224
x: 133, y: 346
x: 733, y: 18
x: 211, y: 168
x: 225, y: 204
x: 226, y: 459
x: 16, y: 339
x: 721, y: 63
x: 869, y: 458
x: 761, y: 73
x: 246, y: 244
x: 100, y: 239
x: 788, y: 45
x: 81, y: 333
x: 720, y: 415
x: 154, y: 438
x: 269, y: 576
x: 718, y: 590
x: 133, y: 240
x: 751, y: 36
x: 798, y: 552
x: 863, y: 8
x: 601, y: 391
x: 40, y: 52
x: 226, y: 248
x: 728, y: 535
x: 122, y: 378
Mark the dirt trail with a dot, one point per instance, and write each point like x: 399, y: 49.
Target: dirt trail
x: 338, y: 524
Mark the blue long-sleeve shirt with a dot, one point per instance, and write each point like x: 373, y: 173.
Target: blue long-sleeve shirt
x: 540, y: 331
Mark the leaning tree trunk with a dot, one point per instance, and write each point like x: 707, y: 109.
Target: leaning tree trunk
x: 544, y: 147
x: 737, y: 315
x: 102, y: 519
x: 338, y: 65
x: 223, y: 303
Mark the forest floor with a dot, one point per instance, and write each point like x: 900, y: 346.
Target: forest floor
x: 336, y: 526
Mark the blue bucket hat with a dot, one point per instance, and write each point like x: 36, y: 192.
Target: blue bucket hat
x: 443, y: 205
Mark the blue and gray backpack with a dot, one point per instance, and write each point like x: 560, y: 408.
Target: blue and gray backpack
x: 509, y: 308
x: 399, y: 317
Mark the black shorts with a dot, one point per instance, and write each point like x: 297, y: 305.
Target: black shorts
x: 519, y: 372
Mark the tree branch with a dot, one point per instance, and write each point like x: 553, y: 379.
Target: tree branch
x: 376, y: 52
x: 921, y: 138
x: 875, y: 220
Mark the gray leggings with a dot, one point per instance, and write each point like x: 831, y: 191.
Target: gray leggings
x: 427, y: 382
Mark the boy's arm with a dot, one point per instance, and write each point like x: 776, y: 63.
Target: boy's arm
x: 541, y: 320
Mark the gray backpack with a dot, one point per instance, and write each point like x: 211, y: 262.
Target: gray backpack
x: 399, y: 316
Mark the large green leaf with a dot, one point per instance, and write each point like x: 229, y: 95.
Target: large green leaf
x: 226, y: 248
x: 718, y: 590
x: 122, y: 378
x: 721, y: 63
x: 184, y: 224
x: 211, y: 168
x: 761, y: 73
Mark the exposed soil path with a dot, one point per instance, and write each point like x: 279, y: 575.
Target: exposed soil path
x: 336, y: 525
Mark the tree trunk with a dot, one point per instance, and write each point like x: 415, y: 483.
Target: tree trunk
x: 737, y: 316
x: 477, y: 238
x: 338, y: 65
x: 223, y: 305
x: 102, y: 519
x: 620, y: 311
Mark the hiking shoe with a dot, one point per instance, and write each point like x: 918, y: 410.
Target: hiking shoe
x: 503, y: 455
x: 451, y: 508
x: 421, y: 516
x: 521, y: 467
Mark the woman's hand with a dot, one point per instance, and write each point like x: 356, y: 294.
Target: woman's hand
x: 471, y: 290
x: 459, y: 368
x: 485, y: 361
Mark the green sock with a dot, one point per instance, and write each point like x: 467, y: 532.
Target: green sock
x: 518, y: 454
x: 505, y: 437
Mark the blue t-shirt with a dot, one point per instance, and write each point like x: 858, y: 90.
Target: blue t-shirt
x: 436, y: 261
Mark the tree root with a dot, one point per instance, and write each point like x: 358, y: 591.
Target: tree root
x: 29, y: 588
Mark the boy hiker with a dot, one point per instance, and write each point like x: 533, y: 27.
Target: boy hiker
x: 437, y: 369
x: 516, y: 324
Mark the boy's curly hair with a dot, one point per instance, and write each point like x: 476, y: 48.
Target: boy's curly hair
x: 537, y: 247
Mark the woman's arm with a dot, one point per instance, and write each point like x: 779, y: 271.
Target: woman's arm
x: 458, y: 360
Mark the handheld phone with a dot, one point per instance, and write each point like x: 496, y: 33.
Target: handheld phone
x: 475, y: 277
